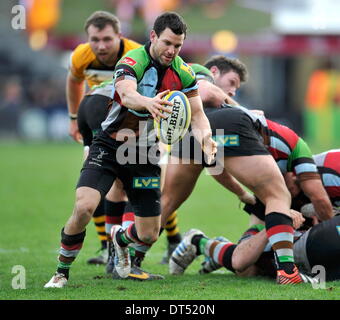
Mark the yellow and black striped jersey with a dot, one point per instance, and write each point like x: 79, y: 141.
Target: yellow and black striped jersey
x: 84, y: 64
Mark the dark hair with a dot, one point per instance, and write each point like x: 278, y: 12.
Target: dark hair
x: 170, y: 20
x: 225, y: 65
x: 100, y: 19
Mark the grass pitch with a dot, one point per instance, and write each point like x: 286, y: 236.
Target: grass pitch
x: 36, y: 197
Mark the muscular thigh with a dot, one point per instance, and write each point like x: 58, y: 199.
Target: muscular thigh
x: 259, y: 173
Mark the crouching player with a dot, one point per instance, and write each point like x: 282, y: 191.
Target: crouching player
x: 253, y: 255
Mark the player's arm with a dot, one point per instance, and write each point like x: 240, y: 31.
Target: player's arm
x: 213, y: 95
x: 201, y: 128
x: 314, y: 190
x: 132, y: 99
x: 248, y: 252
x: 75, y: 89
x: 301, y: 160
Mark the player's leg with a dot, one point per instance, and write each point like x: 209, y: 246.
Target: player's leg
x: 261, y: 175
x: 94, y: 182
x: 171, y: 228
x: 142, y: 185
x: 114, y: 207
x: 180, y: 180
x: 92, y: 111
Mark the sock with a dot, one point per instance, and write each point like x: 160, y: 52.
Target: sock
x: 252, y: 231
x: 127, y: 236
x: 172, y: 230
x: 114, y: 213
x: 138, y: 252
x: 99, y: 222
x: 128, y: 219
x: 280, y: 234
x: 70, y: 247
x: 220, y: 252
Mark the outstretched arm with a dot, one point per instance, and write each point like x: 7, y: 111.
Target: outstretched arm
x: 75, y: 89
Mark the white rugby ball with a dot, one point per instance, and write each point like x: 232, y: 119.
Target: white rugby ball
x: 174, y: 127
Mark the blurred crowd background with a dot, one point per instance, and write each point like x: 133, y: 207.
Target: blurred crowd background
x: 291, y: 49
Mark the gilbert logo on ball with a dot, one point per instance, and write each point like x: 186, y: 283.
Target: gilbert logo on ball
x: 174, y: 127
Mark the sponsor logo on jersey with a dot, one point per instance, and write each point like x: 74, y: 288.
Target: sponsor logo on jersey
x: 338, y: 228
x: 188, y: 69
x: 129, y: 61
x: 229, y: 140
x: 146, y: 182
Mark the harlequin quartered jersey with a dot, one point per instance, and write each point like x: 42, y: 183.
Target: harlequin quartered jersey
x: 202, y: 73
x: 290, y: 151
x: 151, y: 78
x: 85, y: 65
x: 328, y: 164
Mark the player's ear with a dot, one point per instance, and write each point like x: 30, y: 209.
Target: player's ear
x: 153, y: 36
x: 214, y: 70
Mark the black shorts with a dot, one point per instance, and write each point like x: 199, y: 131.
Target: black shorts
x: 323, y: 247
x: 92, y: 111
x: 141, y: 181
x: 233, y: 130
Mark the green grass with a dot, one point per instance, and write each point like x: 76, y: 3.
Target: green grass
x: 36, y: 196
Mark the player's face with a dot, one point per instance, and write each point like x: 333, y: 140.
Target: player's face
x: 229, y: 82
x: 166, y: 47
x: 104, y: 43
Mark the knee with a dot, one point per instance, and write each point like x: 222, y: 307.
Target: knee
x: 149, y: 237
x: 84, y: 208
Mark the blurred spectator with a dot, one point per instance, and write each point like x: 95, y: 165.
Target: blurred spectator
x: 11, y: 104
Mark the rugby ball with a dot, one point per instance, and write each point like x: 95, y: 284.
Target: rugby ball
x: 174, y: 127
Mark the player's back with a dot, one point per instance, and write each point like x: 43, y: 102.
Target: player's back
x: 328, y: 164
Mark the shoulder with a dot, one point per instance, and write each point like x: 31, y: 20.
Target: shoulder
x: 130, y: 45
x: 82, y: 55
x: 135, y: 60
x: 184, y: 70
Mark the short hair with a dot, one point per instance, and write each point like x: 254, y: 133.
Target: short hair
x: 171, y: 20
x: 225, y: 65
x: 100, y: 19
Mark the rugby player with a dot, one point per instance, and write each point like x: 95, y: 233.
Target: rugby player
x: 253, y: 255
x: 150, y: 67
x: 250, y: 163
x: 92, y: 63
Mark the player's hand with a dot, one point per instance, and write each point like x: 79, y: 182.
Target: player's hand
x: 209, y: 147
x: 297, y: 218
x: 74, y: 131
x: 157, y: 106
x: 247, y: 198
